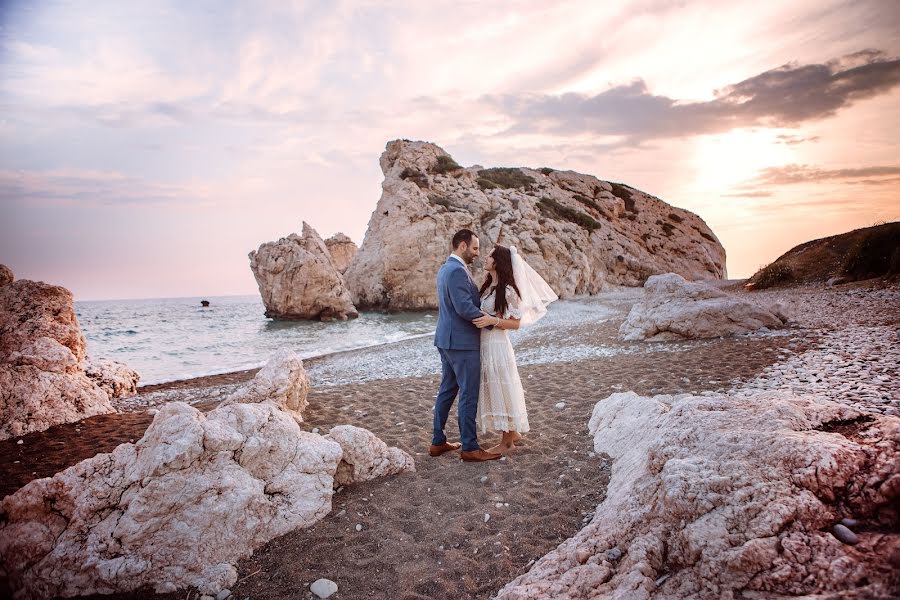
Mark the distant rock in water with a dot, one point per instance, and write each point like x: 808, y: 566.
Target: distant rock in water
x: 342, y: 251
x: 580, y: 233
x: 298, y: 280
x: 853, y: 256
x: 204, y: 303
x: 6, y: 275
x: 42, y: 361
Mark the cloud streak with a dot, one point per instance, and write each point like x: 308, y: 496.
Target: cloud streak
x: 794, y: 174
x: 787, y: 96
x: 86, y: 188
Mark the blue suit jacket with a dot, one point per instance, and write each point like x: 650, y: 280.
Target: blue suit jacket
x: 458, y: 304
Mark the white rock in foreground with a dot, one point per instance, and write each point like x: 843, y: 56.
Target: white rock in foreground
x: 282, y: 382
x: 42, y: 352
x: 117, y: 379
x: 722, y: 497
x: 297, y: 279
x: 366, y: 457
x: 193, y: 496
x: 675, y: 309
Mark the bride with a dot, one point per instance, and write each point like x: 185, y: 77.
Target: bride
x: 513, y: 295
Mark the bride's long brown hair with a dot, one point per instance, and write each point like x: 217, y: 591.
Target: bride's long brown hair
x: 503, y: 266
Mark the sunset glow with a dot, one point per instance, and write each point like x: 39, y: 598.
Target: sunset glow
x: 146, y: 148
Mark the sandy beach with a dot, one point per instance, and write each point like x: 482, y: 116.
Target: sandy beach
x: 461, y: 530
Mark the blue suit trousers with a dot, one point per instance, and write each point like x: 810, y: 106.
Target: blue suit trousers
x: 460, y: 373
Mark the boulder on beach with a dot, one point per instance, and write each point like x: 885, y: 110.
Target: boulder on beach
x: 6, y: 275
x: 282, y: 382
x: 580, y: 233
x: 723, y: 496
x: 42, y: 361
x: 342, y: 250
x: 366, y: 457
x: 117, y: 379
x: 181, y: 506
x: 676, y: 309
x: 297, y: 279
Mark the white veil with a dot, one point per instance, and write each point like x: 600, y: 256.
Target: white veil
x: 533, y: 290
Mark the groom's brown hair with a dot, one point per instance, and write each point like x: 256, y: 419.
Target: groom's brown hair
x: 463, y: 235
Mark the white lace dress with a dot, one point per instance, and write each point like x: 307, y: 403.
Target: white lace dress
x: 501, y: 400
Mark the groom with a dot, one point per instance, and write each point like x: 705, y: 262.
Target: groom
x: 459, y: 343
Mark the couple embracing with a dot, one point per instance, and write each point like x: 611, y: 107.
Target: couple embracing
x: 477, y: 359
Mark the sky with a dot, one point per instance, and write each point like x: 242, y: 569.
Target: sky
x: 147, y: 147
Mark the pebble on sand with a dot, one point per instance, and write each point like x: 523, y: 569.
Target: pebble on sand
x: 323, y: 588
x: 560, y: 405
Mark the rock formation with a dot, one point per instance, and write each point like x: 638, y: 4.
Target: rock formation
x: 6, y: 275
x: 859, y: 254
x: 365, y: 456
x: 282, y: 382
x: 675, y: 309
x: 117, y: 379
x: 578, y: 232
x: 297, y: 279
x: 342, y: 251
x: 725, y: 497
x: 181, y: 506
x: 42, y: 359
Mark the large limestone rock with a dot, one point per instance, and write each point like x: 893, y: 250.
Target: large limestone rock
x: 42, y: 359
x: 181, y: 506
x: 366, y: 457
x: 580, y: 233
x: 731, y: 497
x: 342, y: 251
x: 6, y: 275
x: 282, y: 382
x: 675, y: 309
x: 117, y: 379
x: 297, y: 279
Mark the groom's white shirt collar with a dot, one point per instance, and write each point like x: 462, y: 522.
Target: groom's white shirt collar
x: 459, y: 259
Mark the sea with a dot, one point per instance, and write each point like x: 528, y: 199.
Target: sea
x: 170, y: 339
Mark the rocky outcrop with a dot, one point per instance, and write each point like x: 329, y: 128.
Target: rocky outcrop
x: 42, y: 359
x: 860, y: 254
x: 181, y: 506
x: 365, y: 456
x: 297, y: 279
x: 725, y: 497
x: 282, y: 382
x: 6, y: 275
x: 675, y: 309
x: 117, y: 379
x: 580, y: 233
x: 342, y: 251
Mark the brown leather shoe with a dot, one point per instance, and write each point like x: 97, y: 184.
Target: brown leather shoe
x: 478, y: 455
x: 445, y: 447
